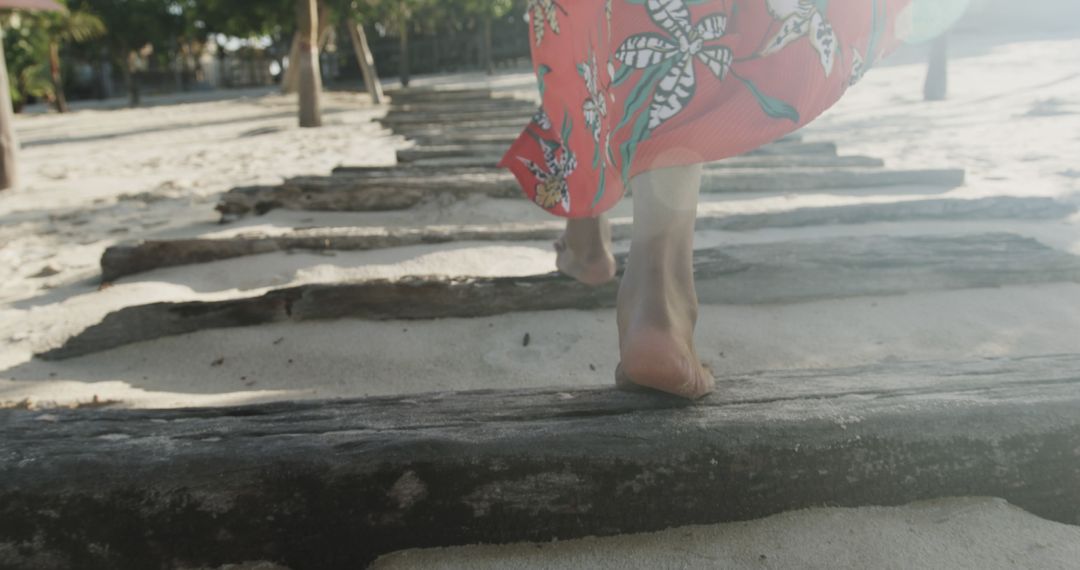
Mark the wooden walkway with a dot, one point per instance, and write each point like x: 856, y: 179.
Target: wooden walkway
x: 335, y: 484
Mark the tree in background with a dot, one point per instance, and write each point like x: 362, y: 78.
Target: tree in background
x: 215, y: 19
x: 137, y: 29
x: 26, y: 49
x: 357, y: 13
x: 488, y: 11
x: 61, y: 28
x: 9, y: 143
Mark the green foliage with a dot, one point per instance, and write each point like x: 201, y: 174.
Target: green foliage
x: 163, y: 29
x: 135, y: 23
x: 26, y: 47
x: 244, y: 18
x: 27, y: 41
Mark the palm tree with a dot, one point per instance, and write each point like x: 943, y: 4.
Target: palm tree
x: 62, y: 28
x: 8, y: 143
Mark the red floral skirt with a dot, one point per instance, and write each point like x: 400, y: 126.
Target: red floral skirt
x: 630, y: 86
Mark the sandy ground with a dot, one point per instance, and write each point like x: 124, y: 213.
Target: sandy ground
x: 100, y: 176
x: 958, y: 534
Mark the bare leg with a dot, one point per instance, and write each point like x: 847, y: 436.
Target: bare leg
x: 584, y: 251
x: 657, y: 306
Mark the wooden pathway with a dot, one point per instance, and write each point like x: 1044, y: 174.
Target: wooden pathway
x: 335, y: 484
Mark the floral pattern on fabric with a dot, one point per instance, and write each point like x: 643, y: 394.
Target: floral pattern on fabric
x: 559, y: 162
x: 650, y: 84
x: 544, y: 14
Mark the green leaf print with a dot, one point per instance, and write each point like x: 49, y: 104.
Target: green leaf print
x: 622, y: 75
x: 772, y: 106
x: 541, y: 73
x: 877, y: 25
x: 639, y: 98
x: 600, y: 188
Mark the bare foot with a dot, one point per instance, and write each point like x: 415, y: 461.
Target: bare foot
x: 656, y: 344
x: 657, y: 361
x: 657, y: 306
x: 584, y: 251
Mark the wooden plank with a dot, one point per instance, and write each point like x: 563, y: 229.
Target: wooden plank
x: 360, y: 194
x: 738, y: 274
x: 810, y: 179
x: 335, y: 484
x: 478, y: 150
x: 473, y: 163
x: 526, y: 109
x: 436, y: 132
x: 493, y: 137
x: 420, y: 94
x: 503, y: 137
x: 456, y: 123
x: 124, y: 260
x: 261, y: 199
x: 466, y: 133
x: 481, y: 113
x: 452, y: 166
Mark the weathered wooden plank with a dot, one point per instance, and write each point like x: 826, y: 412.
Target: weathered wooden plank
x: 365, y: 193
x: 335, y: 484
x: 261, y: 199
x: 123, y: 260
x: 463, y: 135
x: 503, y: 136
x: 417, y: 95
x: 493, y: 137
x: 469, y: 165
x: 738, y: 274
x: 455, y: 123
x: 809, y: 179
x: 497, y: 150
x: 482, y: 113
x: 525, y: 109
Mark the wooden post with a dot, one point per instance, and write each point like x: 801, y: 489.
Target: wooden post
x: 366, y: 61
x: 9, y: 145
x: 937, y: 74
x: 310, y: 84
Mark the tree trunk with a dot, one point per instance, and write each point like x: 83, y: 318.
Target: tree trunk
x: 57, y: 77
x: 310, y: 79
x: 8, y: 143
x: 290, y: 79
x: 403, y: 42
x: 937, y: 75
x: 325, y: 26
x: 489, y: 47
x: 366, y: 61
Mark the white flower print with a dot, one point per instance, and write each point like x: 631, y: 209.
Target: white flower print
x: 684, y: 44
x: 804, y: 18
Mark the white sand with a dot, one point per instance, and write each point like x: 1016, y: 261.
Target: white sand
x: 957, y: 534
